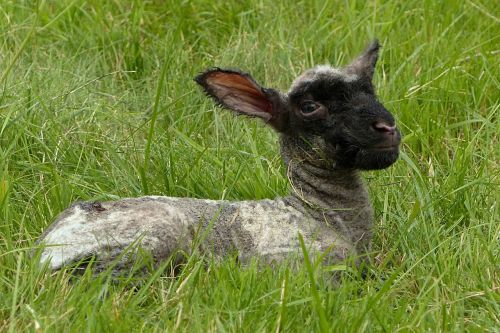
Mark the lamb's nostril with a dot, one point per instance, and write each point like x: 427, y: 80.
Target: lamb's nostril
x: 384, y: 127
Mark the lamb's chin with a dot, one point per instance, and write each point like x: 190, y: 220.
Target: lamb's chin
x: 376, y: 159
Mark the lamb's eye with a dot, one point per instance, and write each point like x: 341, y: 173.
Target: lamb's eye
x: 308, y: 107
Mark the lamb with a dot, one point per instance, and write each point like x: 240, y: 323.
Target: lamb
x: 330, y: 125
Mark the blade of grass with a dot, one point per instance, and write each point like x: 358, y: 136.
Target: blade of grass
x: 320, y: 311
x: 154, y: 116
x: 15, y: 294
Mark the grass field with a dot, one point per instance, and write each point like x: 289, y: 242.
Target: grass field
x: 97, y: 102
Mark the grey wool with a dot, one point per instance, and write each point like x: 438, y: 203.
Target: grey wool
x: 331, y: 126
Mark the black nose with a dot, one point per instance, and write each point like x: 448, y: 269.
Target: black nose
x: 385, y: 128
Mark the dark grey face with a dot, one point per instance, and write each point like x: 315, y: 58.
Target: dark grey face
x: 332, y: 112
x: 341, y: 108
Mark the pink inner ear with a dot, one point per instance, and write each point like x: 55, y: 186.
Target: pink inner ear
x: 240, y: 93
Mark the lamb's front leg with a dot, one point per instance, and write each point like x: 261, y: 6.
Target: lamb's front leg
x: 105, y: 230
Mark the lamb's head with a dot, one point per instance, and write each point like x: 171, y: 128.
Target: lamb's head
x: 329, y: 117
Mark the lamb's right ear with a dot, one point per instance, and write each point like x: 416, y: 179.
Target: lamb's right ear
x: 239, y: 92
x: 365, y: 63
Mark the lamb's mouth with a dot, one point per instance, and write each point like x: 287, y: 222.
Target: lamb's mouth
x: 385, y: 148
x: 376, y: 158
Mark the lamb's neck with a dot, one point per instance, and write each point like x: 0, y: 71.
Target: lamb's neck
x: 315, y: 182
x: 337, y: 197
x: 325, y: 189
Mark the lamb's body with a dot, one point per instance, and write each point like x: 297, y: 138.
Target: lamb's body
x: 266, y: 229
x: 330, y: 125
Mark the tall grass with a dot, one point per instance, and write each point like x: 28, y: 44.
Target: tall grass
x: 97, y: 102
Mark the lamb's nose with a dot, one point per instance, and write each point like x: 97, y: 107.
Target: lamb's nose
x: 382, y: 127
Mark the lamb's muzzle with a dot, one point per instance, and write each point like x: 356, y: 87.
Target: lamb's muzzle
x: 330, y: 124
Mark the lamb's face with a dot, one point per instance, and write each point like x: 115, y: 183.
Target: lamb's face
x: 336, y: 111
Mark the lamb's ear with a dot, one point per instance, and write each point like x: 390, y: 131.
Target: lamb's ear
x: 239, y: 92
x: 364, y: 65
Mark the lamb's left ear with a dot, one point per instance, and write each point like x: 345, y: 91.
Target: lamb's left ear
x: 364, y: 65
x: 239, y: 92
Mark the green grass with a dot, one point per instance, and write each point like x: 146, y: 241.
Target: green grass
x: 97, y: 102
